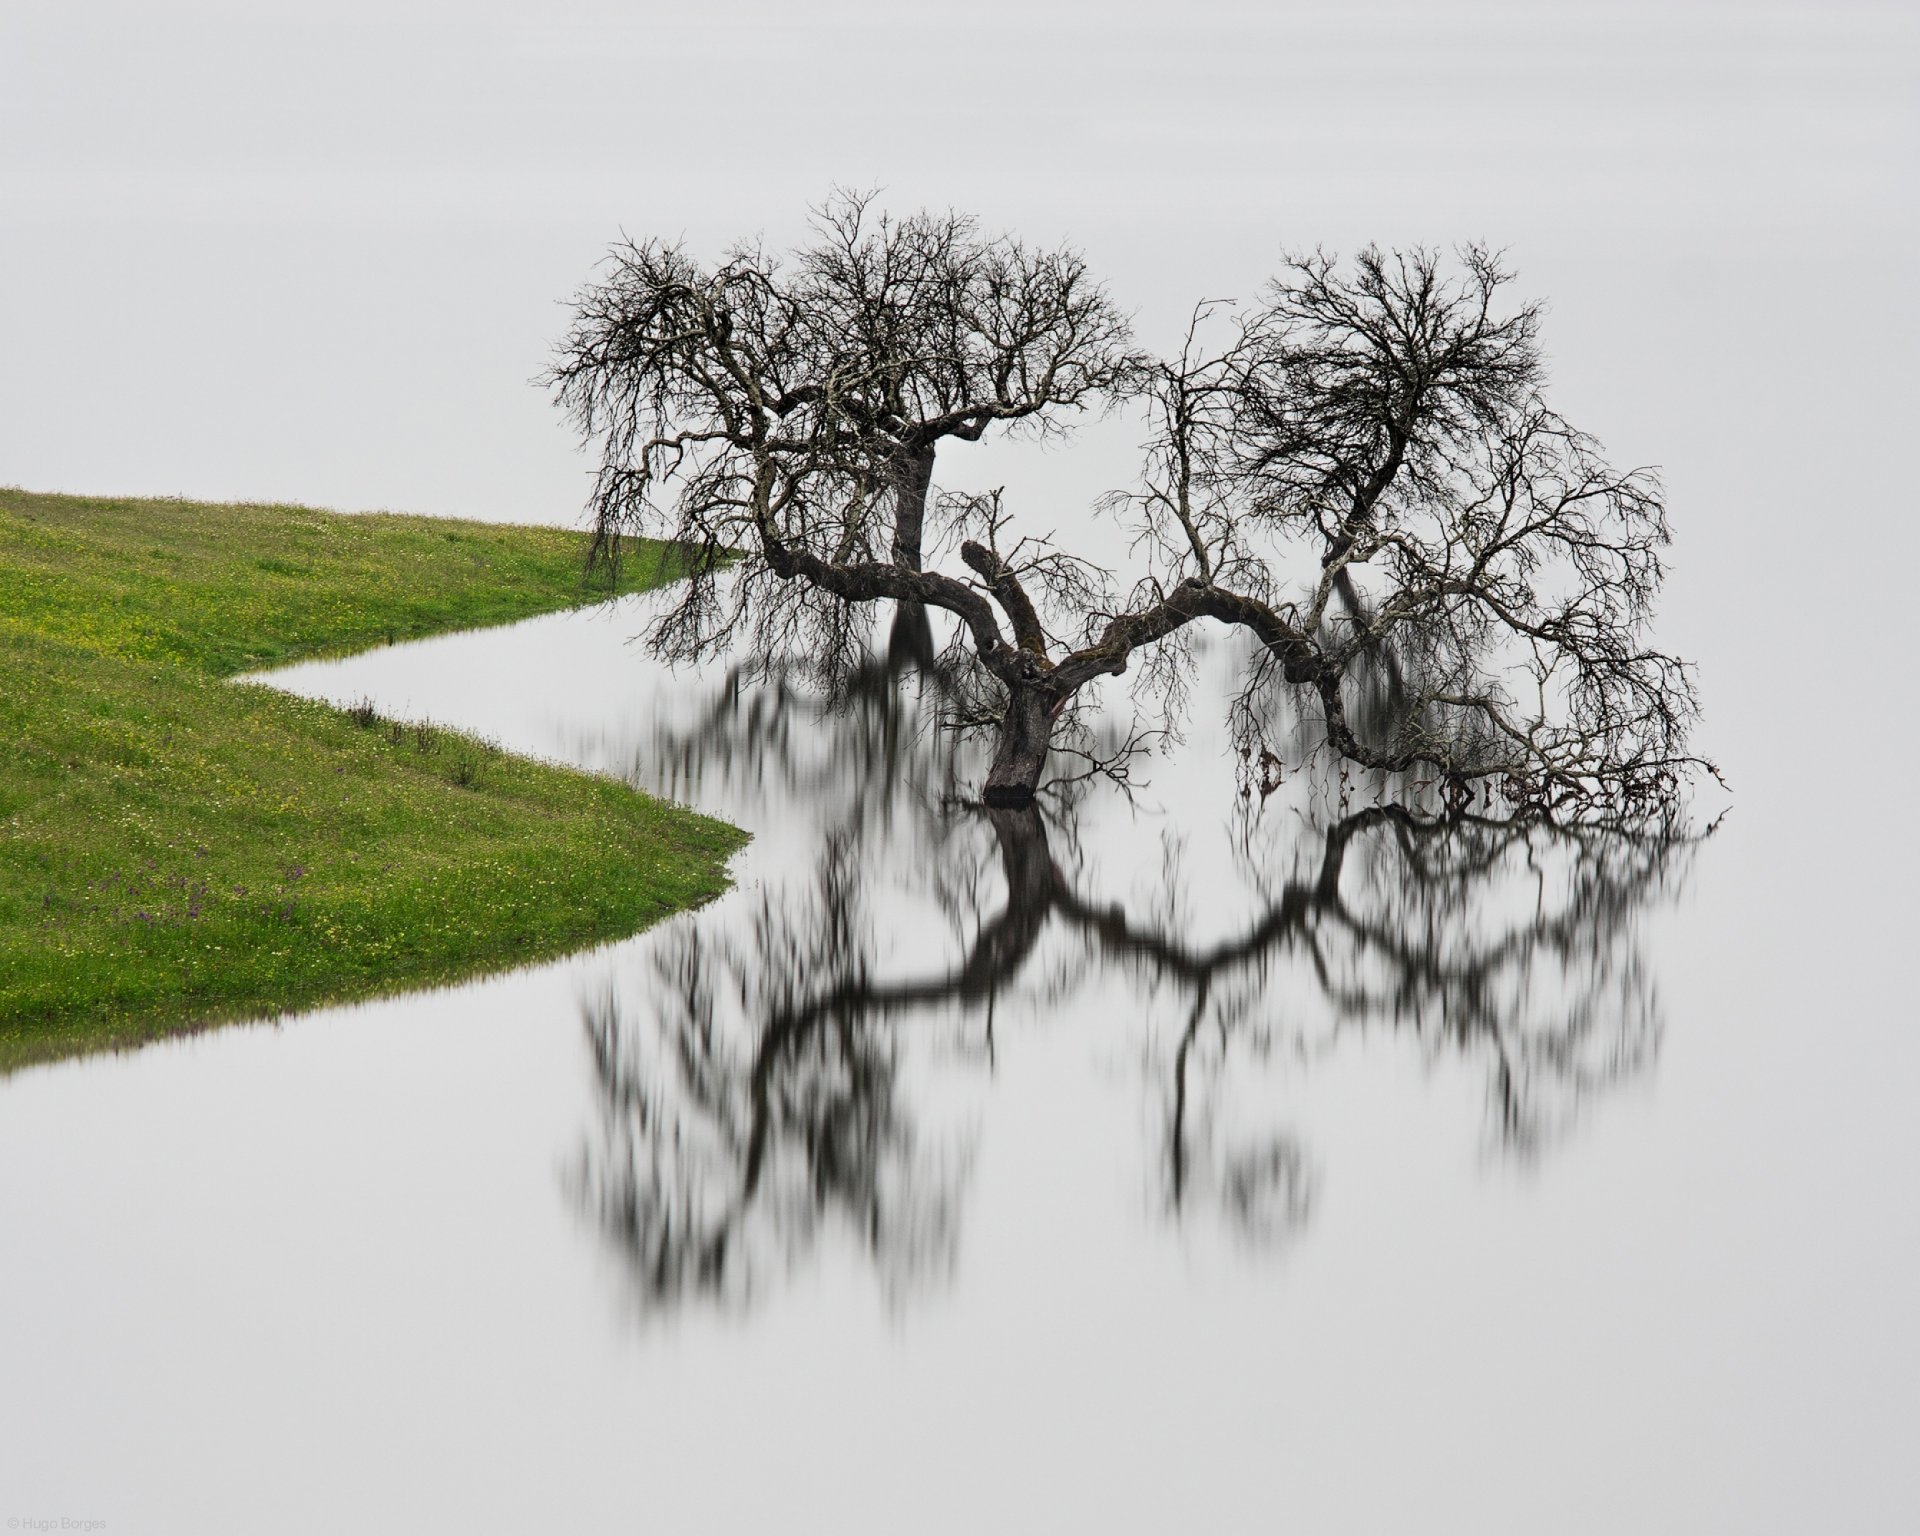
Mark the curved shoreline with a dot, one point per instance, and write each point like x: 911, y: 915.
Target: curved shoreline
x: 177, y: 851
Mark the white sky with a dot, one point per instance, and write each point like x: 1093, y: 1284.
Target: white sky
x: 316, y: 251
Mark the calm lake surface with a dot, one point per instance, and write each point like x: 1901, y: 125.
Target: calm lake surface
x: 1171, y: 1160
x: 1120, y: 1174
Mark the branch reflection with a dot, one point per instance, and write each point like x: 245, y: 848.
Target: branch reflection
x: 779, y: 1077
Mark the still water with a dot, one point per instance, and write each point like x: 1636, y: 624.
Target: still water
x: 1170, y: 1158
x: 1120, y: 1173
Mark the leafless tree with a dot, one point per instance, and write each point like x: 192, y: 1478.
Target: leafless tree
x: 1360, y: 471
x: 809, y: 396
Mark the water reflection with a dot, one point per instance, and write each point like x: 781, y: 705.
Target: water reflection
x: 786, y: 1070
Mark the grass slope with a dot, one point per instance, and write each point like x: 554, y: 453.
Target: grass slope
x: 176, y: 849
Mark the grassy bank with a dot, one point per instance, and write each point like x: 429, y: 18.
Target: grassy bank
x: 176, y: 849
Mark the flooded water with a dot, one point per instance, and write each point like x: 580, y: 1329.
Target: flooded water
x: 1170, y: 1160
x: 1165, y: 1157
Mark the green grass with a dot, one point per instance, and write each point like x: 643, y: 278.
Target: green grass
x: 176, y: 849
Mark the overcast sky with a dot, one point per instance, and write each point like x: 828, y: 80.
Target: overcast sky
x: 317, y: 251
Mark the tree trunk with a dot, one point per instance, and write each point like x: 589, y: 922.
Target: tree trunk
x: 911, y: 642
x: 913, y: 479
x: 1026, y: 731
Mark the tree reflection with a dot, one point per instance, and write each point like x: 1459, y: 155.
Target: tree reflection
x: 758, y: 1100
x: 760, y: 1092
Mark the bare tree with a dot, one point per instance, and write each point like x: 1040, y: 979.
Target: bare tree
x: 1360, y: 472
x: 809, y: 396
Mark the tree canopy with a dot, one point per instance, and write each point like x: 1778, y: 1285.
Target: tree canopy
x: 1359, y: 471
